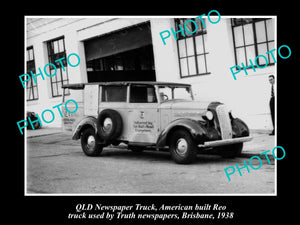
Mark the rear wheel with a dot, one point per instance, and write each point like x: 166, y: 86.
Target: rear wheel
x: 182, y: 147
x: 89, y: 143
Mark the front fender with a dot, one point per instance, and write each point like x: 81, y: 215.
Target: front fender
x: 81, y: 124
x: 239, y: 128
x: 196, y: 129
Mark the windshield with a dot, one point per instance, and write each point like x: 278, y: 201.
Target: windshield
x: 167, y: 93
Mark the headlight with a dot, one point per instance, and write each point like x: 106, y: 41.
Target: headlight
x: 209, y: 115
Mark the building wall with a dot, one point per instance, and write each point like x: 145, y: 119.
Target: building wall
x: 248, y: 96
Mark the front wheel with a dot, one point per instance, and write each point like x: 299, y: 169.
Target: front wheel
x: 89, y: 143
x: 182, y: 147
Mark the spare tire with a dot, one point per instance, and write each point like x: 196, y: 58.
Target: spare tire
x: 109, y: 125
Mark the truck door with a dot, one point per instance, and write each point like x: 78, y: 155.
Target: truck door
x: 143, y: 114
x: 91, y: 100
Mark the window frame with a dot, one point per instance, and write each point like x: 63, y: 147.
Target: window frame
x: 33, y: 84
x: 104, y: 89
x: 155, y: 101
x: 59, y: 79
x: 199, y: 33
x: 267, y: 42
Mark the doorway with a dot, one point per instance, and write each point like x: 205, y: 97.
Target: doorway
x: 125, y: 55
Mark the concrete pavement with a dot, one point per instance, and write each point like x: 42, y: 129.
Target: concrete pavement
x: 57, y: 165
x: 43, y: 131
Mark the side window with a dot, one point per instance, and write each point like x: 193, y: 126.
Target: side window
x: 114, y: 93
x: 142, y: 94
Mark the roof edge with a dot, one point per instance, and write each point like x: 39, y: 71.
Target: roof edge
x: 81, y: 85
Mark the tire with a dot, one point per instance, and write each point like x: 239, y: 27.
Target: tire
x: 231, y: 151
x: 89, y: 143
x: 182, y: 147
x: 109, y: 125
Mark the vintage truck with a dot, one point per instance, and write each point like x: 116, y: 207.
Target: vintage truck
x: 157, y: 116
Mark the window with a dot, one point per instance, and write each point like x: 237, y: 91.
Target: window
x: 56, y: 50
x: 253, y: 37
x: 142, y: 94
x: 170, y: 93
x: 192, y: 53
x: 114, y: 93
x: 31, y: 86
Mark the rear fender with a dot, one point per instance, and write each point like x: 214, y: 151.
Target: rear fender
x: 195, y: 128
x: 82, y: 124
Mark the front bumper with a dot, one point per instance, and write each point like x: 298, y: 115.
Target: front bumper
x: 225, y: 142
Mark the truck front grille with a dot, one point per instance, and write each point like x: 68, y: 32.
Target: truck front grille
x: 224, y: 122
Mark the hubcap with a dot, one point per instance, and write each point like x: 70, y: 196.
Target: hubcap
x: 181, y: 146
x: 91, y: 141
x: 107, y: 124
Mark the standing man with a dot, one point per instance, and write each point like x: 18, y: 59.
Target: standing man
x: 272, y: 102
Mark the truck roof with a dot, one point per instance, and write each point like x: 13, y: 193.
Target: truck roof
x: 81, y: 85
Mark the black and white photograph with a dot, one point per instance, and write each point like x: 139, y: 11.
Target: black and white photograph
x: 169, y: 118
x: 157, y: 105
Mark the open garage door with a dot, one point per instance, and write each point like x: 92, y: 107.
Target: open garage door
x: 125, y: 55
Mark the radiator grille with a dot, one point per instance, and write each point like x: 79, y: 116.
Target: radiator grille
x: 224, y: 122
